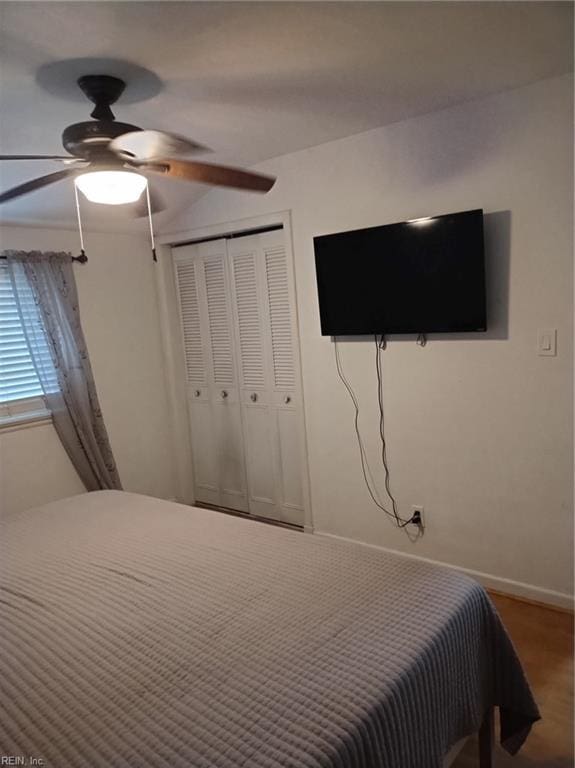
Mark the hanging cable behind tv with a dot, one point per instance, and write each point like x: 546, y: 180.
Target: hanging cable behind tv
x: 380, y: 345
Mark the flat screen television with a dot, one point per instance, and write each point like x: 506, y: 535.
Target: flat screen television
x: 420, y: 276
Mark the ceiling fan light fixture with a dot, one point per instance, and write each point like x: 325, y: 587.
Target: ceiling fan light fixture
x: 111, y: 187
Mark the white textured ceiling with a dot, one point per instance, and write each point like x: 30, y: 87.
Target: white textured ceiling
x: 255, y: 80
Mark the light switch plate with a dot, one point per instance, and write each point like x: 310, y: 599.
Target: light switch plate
x: 547, y: 342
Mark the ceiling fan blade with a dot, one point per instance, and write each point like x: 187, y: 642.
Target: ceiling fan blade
x: 67, y: 158
x: 218, y: 175
x: 31, y: 186
x: 140, y: 208
x: 149, y: 145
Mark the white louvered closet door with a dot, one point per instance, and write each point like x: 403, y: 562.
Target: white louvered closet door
x: 268, y: 367
x: 215, y: 421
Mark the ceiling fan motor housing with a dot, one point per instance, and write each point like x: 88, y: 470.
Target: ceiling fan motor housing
x: 102, y: 90
x: 91, y: 138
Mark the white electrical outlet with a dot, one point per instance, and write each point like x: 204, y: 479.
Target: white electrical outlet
x: 418, y: 508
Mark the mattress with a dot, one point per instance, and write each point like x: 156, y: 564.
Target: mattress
x: 139, y: 632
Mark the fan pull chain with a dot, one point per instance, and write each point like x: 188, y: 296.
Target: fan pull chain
x: 150, y: 220
x: 82, y: 257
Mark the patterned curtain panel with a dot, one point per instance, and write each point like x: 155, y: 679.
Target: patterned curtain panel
x: 71, y: 394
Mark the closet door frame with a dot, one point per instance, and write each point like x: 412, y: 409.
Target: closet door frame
x: 173, y: 348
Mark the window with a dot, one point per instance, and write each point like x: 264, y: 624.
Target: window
x: 20, y: 388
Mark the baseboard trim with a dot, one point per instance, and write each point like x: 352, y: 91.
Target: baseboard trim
x: 308, y: 529
x: 451, y: 756
x: 519, y: 589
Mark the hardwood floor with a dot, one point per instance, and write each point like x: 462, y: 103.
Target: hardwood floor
x: 543, y: 638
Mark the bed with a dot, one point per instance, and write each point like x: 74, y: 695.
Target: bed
x: 139, y: 632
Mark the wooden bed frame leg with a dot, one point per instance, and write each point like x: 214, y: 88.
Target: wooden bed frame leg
x: 486, y: 740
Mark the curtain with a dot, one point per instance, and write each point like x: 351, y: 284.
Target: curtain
x: 66, y: 375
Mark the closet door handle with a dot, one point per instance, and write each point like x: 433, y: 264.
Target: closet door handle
x: 197, y: 393
x: 224, y: 394
x: 287, y: 400
x: 253, y: 397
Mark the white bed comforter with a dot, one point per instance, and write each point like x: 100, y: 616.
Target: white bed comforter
x: 138, y: 632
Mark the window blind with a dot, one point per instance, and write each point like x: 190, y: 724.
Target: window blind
x: 18, y: 377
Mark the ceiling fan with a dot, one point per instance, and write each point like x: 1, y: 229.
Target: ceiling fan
x: 107, y: 158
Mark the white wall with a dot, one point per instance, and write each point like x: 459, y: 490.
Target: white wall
x: 119, y: 314
x: 479, y: 429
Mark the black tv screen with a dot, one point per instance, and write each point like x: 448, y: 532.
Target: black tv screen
x: 420, y: 276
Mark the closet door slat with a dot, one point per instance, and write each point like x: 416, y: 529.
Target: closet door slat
x: 281, y: 321
x: 219, y: 321
x: 190, y: 317
x: 251, y: 351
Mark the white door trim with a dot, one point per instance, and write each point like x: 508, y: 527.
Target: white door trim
x: 172, y: 344
x: 223, y: 229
